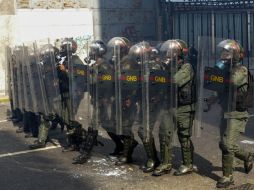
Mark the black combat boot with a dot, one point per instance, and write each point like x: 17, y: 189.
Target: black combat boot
x: 118, y: 151
x: 71, y: 145
x: 37, y: 144
x: 152, y: 160
x: 129, y: 145
x: 248, y: 164
x: 86, y: 147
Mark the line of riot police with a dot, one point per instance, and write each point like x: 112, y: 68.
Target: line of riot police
x: 120, y: 83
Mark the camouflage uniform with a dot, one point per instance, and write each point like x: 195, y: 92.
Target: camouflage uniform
x: 158, y: 111
x: 232, y: 124
x: 184, y: 79
x: 129, y: 113
x: 73, y: 127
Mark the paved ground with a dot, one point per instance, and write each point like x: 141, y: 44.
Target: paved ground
x: 52, y: 170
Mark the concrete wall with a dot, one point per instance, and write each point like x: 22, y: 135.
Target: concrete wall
x: 7, y: 25
x: 55, y: 4
x: 134, y: 19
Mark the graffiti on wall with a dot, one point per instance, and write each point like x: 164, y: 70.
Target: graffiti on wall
x: 83, y: 45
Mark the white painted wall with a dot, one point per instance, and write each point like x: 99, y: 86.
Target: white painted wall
x: 39, y: 24
x: 6, y: 37
x: 34, y: 24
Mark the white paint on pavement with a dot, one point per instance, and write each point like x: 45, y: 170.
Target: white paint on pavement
x: 2, y: 121
x: 28, y: 151
x: 247, y: 142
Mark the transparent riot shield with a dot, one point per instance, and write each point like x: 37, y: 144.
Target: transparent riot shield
x: 127, y: 85
x: 142, y: 49
x: 14, y: 80
x: 35, y: 79
x: 102, y: 86
x: 154, y: 79
x: 216, y: 90
x: 17, y: 53
x: 28, y: 100
x: 173, y: 60
x: 10, y: 76
x: 76, y: 72
x: 44, y: 60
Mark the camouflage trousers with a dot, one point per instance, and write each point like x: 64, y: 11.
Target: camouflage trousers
x: 44, y: 128
x: 184, y: 122
x: 231, y: 127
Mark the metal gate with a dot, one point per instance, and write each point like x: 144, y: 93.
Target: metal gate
x: 219, y: 19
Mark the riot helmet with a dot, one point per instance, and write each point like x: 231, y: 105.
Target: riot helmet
x: 97, y: 49
x: 119, y: 42
x: 49, y: 50
x: 140, y: 51
x: 230, y: 51
x: 68, y: 46
x: 173, y: 50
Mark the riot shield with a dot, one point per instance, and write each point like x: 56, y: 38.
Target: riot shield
x: 46, y: 84
x: 17, y: 53
x: 13, y: 80
x: 10, y: 76
x: 28, y: 100
x: 102, y: 87
x: 216, y: 91
x: 172, y: 58
x: 154, y: 81
x: 127, y: 85
x: 77, y: 83
x: 143, y: 49
x: 35, y: 78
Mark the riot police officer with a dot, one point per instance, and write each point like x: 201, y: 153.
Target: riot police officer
x: 151, y: 100
x: 181, y: 106
x: 48, y: 58
x: 69, y: 103
x: 234, y: 117
x: 101, y: 85
x: 125, y: 108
